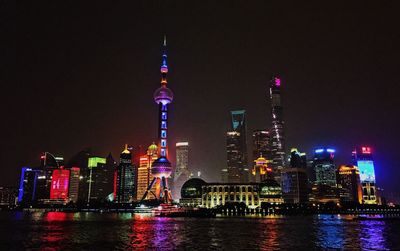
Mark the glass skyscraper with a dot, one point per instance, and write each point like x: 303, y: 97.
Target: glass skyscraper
x: 236, y: 149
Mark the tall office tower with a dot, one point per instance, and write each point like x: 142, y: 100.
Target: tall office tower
x: 324, y: 167
x: 144, y: 173
x: 294, y: 179
x: 124, y: 178
x: 49, y: 163
x: 348, y: 180
x: 95, y: 169
x: 236, y: 148
x: 277, y: 130
x: 362, y: 157
x: 60, y: 184
x: 182, y: 173
x: 27, y: 186
x: 261, y: 171
x: 73, y: 192
x: 161, y: 168
x: 261, y: 141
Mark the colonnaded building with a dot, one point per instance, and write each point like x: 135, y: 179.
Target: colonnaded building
x: 198, y: 193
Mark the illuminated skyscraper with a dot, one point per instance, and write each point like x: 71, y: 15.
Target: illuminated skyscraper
x: 161, y: 168
x: 349, y: 185
x: 182, y: 173
x: 325, y: 170
x: 362, y: 157
x: 27, y: 186
x: 73, y: 192
x: 261, y: 141
x: 277, y: 130
x: 236, y: 149
x: 49, y: 163
x: 144, y: 173
x: 124, y: 178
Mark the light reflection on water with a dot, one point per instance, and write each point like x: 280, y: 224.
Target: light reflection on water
x: 112, y: 231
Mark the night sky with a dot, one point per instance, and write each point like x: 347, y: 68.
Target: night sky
x: 84, y: 76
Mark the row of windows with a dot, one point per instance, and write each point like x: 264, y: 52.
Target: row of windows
x: 231, y: 198
x: 229, y: 189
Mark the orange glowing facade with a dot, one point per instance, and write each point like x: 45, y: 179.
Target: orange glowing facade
x: 349, y: 184
x: 261, y: 171
x: 144, y: 173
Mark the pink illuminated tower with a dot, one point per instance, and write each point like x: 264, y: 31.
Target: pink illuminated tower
x: 161, y: 168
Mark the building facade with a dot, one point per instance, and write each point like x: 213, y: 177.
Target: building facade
x: 144, y: 174
x: 294, y: 179
x: 261, y: 144
x: 124, y: 178
x: 196, y: 192
x: 324, y: 167
x: 348, y: 180
x: 182, y: 173
x: 362, y: 158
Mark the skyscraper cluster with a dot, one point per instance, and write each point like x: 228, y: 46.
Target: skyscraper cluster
x: 302, y: 180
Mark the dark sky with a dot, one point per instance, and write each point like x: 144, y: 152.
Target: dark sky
x: 83, y: 75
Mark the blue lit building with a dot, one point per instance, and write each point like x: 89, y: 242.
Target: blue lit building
x: 324, y: 167
x: 28, y: 186
x: 362, y: 158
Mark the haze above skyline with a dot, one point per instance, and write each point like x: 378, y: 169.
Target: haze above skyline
x: 85, y: 76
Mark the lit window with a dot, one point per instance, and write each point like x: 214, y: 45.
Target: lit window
x: 163, y: 133
x: 164, y: 115
x: 163, y: 152
x: 163, y: 143
x: 164, y: 124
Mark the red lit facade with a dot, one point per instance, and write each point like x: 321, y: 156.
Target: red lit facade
x: 59, y: 184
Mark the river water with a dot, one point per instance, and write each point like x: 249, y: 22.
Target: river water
x: 127, y: 231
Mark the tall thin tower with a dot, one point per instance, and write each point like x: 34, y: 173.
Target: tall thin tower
x: 277, y: 133
x: 161, y: 168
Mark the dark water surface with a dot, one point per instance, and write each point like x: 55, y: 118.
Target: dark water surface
x: 126, y: 231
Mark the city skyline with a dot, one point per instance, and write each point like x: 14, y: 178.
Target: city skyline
x: 100, y: 107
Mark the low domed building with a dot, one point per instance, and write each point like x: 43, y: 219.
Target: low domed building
x: 191, y: 192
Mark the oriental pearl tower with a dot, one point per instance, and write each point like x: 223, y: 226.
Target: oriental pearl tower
x: 161, y: 168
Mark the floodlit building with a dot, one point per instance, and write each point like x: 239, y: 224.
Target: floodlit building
x: 144, y: 174
x: 349, y: 185
x: 182, y: 173
x: 196, y: 192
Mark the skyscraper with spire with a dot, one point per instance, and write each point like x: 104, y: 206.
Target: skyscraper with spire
x: 277, y: 132
x: 161, y: 168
